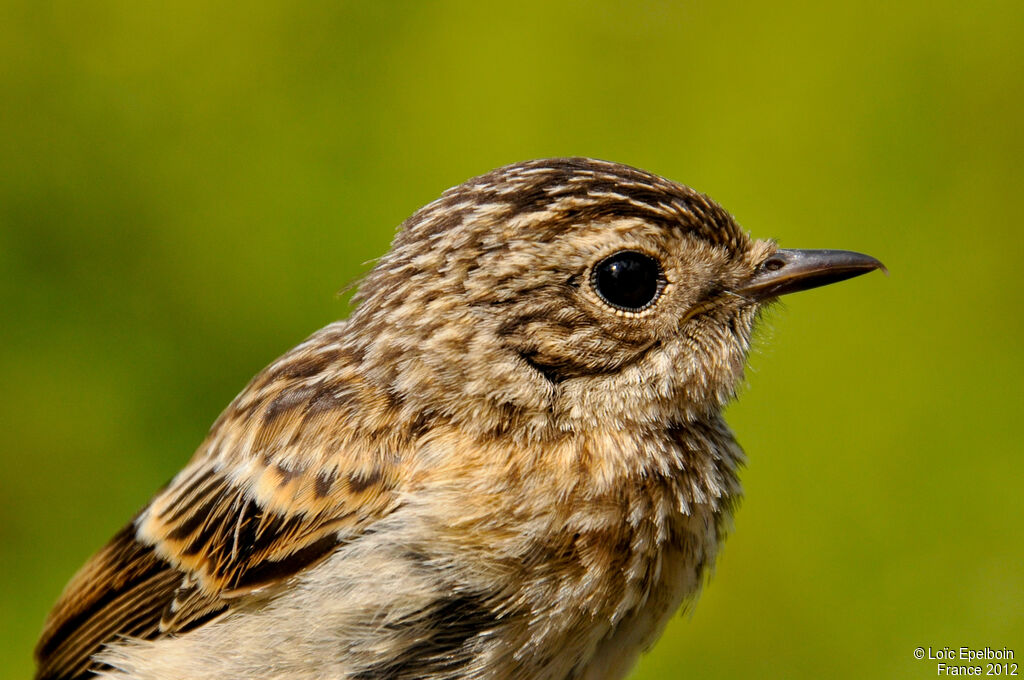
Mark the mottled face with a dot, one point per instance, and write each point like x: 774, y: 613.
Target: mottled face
x: 564, y: 292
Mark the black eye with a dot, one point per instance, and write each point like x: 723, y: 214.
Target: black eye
x: 628, y: 280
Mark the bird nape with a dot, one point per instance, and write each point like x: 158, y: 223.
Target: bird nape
x: 509, y: 461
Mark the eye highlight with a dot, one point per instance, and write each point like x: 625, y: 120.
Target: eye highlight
x: 628, y: 280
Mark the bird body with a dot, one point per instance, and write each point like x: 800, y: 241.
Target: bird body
x: 509, y: 462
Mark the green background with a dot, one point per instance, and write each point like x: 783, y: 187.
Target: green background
x: 184, y: 188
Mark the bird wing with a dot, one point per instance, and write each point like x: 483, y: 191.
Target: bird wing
x: 290, y: 471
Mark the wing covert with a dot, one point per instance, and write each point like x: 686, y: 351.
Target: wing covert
x: 288, y: 473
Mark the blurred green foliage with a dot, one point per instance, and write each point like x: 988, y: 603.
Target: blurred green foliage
x: 184, y: 186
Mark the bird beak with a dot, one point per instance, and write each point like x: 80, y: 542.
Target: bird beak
x: 790, y: 271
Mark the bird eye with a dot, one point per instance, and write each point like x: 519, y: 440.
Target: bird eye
x: 628, y: 280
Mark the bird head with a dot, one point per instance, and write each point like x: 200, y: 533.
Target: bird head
x: 565, y: 293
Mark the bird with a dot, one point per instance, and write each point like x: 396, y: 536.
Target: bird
x: 509, y: 461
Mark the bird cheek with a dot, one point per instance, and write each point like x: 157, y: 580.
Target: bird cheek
x: 715, y: 353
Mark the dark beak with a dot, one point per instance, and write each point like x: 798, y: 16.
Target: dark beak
x: 790, y: 271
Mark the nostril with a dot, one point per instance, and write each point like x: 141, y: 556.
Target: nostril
x: 773, y: 263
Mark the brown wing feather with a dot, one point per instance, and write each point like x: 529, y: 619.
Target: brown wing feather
x: 283, y: 478
x: 120, y: 591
